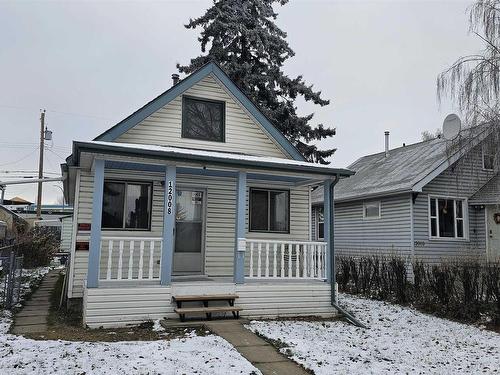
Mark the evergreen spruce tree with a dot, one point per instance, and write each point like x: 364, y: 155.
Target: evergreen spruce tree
x: 243, y: 39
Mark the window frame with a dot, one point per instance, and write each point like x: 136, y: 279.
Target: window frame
x: 318, y: 222
x: 366, y: 203
x: 464, y: 218
x: 150, y: 205
x: 184, y: 118
x: 268, y: 190
x: 483, y: 153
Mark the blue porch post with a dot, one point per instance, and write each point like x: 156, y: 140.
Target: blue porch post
x: 327, y: 212
x: 240, y: 241
x: 95, y: 228
x: 169, y: 208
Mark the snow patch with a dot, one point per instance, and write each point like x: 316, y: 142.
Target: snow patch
x: 400, y: 340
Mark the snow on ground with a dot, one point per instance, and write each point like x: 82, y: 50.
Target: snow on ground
x: 400, y: 340
x: 191, y: 354
x: 29, y: 278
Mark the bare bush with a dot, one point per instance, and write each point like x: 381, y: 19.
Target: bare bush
x: 465, y: 289
x: 37, y: 246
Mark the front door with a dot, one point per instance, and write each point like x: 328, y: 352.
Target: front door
x: 189, y: 229
x: 493, y: 227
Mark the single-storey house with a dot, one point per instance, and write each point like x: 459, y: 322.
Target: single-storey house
x: 196, y: 197
x: 432, y: 200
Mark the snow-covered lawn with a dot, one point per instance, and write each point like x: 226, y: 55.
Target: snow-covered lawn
x: 400, y: 340
x: 191, y: 354
x: 30, y: 278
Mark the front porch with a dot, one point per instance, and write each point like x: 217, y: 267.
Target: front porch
x: 273, y: 266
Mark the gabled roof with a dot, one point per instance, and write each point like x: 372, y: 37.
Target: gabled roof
x: 405, y: 169
x: 169, y: 95
x: 489, y: 193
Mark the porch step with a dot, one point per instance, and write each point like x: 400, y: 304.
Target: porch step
x: 206, y: 297
x: 182, y: 311
x: 190, y: 310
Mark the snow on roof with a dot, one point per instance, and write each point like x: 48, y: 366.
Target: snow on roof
x: 398, y: 172
x: 489, y: 193
x: 207, y: 156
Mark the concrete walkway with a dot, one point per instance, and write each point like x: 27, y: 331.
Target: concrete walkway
x: 261, y: 354
x: 32, y: 318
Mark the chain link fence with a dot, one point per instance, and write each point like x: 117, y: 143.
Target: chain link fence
x: 11, y: 273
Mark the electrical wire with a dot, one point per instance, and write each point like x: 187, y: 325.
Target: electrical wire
x: 22, y: 158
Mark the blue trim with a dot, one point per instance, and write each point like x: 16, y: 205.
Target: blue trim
x: 95, y: 229
x: 241, y: 200
x: 167, y: 251
x: 165, y: 98
x: 112, y: 148
x: 327, y: 205
x: 200, y: 172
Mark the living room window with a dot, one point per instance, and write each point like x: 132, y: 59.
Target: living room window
x: 269, y: 210
x: 126, y: 205
x: 447, y: 218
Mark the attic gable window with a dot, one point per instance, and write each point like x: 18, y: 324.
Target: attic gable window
x: 488, y: 152
x: 447, y: 218
x: 203, y: 119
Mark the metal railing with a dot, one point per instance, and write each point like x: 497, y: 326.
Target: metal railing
x: 11, y: 273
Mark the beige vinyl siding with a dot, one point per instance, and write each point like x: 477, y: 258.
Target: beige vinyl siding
x: 119, y: 307
x: 243, y: 134
x: 460, y: 180
x: 122, y: 306
x: 66, y: 233
x: 219, y: 223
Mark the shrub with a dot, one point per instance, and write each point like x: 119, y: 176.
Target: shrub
x: 37, y: 246
x: 464, y: 289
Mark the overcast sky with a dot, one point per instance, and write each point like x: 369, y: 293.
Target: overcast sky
x: 90, y: 64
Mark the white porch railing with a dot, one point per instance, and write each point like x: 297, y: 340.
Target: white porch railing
x: 271, y: 259
x: 130, y: 258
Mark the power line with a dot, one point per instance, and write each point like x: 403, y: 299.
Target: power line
x: 55, y: 153
x: 54, y: 111
x: 22, y: 158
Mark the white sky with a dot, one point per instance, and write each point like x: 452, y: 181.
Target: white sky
x: 90, y: 64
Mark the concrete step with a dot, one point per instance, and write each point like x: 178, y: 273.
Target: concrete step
x: 29, y: 329
x: 30, y: 320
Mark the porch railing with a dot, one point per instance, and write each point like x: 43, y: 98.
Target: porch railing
x: 130, y: 258
x: 272, y: 259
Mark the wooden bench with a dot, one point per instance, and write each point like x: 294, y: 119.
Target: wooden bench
x: 205, y: 309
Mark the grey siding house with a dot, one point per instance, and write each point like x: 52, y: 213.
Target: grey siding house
x: 432, y: 200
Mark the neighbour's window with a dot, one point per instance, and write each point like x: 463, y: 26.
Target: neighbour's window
x: 126, y: 205
x: 320, y: 231
x: 488, y: 156
x: 269, y: 210
x: 447, y: 218
x: 371, y: 210
x: 203, y: 119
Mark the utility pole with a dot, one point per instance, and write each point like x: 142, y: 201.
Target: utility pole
x: 40, y: 166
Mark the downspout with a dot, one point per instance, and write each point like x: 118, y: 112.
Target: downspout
x: 333, y: 278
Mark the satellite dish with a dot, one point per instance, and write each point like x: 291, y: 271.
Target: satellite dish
x: 451, y: 126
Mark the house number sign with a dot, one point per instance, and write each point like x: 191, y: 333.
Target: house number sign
x: 170, y: 197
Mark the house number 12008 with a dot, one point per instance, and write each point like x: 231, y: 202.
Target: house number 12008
x: 170, y: 197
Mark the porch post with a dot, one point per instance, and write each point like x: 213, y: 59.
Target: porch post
x: 95, y: 228
x: 169, y: 208
x: 240, y: 241
x: 327, y: 213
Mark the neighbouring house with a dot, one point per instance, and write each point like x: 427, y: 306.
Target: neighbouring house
x: 195, y: 197
x: 432, y: 200
x: 12, y: 226
x: 66, y: 233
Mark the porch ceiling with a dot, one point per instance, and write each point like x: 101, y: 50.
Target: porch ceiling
x: 204, y: 162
